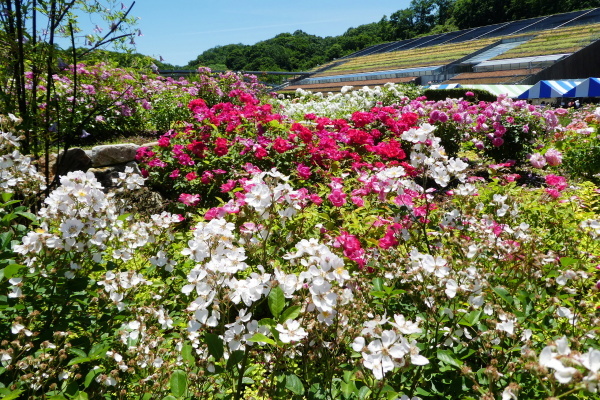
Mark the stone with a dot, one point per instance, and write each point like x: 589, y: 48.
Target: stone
x: 74, y: 159
x: 106, y: 175
x: 106, y: 155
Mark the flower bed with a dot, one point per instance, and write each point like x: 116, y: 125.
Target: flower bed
x: 387, y: 247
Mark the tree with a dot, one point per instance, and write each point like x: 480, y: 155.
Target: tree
x: 443, y: 11
x: 423, y: 17
x: 473, y: 13
x: 403, y: 25
x: 32, y: 57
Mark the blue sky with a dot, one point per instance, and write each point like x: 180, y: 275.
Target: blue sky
x: 180, y: 30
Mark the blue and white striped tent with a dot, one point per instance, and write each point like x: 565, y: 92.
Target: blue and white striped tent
x: 549, y: 89
x: 588, y: 88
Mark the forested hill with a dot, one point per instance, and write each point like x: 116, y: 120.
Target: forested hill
x: 301, y: 51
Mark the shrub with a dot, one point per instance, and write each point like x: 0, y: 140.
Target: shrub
x: 457, y: 93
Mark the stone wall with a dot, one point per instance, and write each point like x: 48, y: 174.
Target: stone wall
x: 105, y: 161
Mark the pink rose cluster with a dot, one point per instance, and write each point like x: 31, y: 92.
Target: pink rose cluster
x: 557, y: 184
x: 219, y: 137
x: 552, y: 157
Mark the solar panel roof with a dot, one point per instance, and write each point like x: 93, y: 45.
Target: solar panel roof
x: 503, y: 29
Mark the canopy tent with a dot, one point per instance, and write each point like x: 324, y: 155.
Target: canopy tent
x: 497, y: 90
x: 588, y: 88
x: 549, y: 89
x: 444, y: 86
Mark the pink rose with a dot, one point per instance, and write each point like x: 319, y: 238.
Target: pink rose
x: 537, y: 160
x: 303, y: 171
x: 337, y: 198
x: 553, y: 157
x: 189, y: 199
x: 358, y: 201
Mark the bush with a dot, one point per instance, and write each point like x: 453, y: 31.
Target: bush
x: 457, y: 93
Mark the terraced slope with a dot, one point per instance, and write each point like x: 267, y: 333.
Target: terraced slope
x: 491, y: 77
x: 421, y: 57
x: 484, y: 70
x: 555, y: 41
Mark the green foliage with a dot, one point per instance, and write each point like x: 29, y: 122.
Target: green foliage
x: 581, y: 157
x: 15, y: 222
x: 456, y: 93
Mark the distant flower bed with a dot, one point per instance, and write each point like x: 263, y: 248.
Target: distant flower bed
x: 107, y: 102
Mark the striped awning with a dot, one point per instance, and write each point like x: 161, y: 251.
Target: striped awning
x: 549, y: 89
x: 497, y: 90
x: 444, y: 86
x: 588, y: 88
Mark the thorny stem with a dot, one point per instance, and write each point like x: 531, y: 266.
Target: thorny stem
x: 242, y: 369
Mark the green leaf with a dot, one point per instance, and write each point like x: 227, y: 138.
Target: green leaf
x: 235, y: 358
x: 178, y: 383
x: 186, y: 354
x: 378, y: 284
x: 98, y: 351
x: 72, y: 389
x: 215, y: 345
x: 471, y: 318
x: 267, y: 322
x: 276, y: 301
x: 294, y: 384
x: 290, y: 313
x: 13, y: 395
x: 11, y: 270
x: 5, y: 239
x: 169, y: 397
x: 568, y: 261
x: 447, y: 356
x: 259, y: 337
x: 348, y: 388
x: 58, y: 397
x: 363, y: 392
x: 77, y: 352
x: 79, y: 360
x: 91, y: 375
x: 503, y: 293
x: 123, y: 217
x: 80, y: 396
x: 6, y: 196
x: 27, y: 215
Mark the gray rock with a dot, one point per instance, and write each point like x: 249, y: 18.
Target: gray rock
x: 74, y: 159
x: 107, y: 175
x: 113, y: 154
x: 135, y: 166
